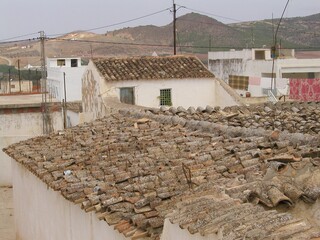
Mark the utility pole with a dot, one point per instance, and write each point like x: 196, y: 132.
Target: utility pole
x: 274, y: 50
x: 174, y: 29
x: 9, y: 80
x: 64, y: 102
x: 19, y: 75
x: 45, y: 113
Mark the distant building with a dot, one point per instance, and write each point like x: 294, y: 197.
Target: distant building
x: 150, y: 82
x: 21, y: 118
x: 69, y: 69
x: 257, y: 65
x: 66, y: 73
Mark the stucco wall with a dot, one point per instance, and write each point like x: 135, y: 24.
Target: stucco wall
x: 222, y: 68
x: 73, y: 76
x: 184, y: 92
x: 18, y: 127
x: 43, y: 214
x: 224, y: 98
x: 92, y: 103
x: 223, y: 64
x: 73, y: 118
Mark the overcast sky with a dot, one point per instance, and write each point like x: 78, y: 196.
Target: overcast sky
x: 22, y: 17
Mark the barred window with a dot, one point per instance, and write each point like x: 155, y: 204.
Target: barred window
x: 165, y: 97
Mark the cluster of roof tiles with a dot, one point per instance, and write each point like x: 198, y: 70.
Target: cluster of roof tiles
x: 145, y: 68
x: 137, y: 168
x: 293, y: 117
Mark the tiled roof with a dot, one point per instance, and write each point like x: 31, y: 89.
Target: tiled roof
x: 293, y: 117
x: 136, y: 168
x: 146, y: 68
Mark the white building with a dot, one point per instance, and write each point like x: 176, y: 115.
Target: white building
x: 68, y: 69
x: 150, y: 82
x: 21, y: 118
x: 258, y: 64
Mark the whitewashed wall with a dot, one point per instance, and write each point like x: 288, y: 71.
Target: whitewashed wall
x: 17, y: 127
x: 43, y: 214
x: 73, y: 76
x: 223, y: 64
x: 184, y: 92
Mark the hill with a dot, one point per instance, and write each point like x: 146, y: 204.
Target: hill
x: 196, y: 34
x: 298, y: 32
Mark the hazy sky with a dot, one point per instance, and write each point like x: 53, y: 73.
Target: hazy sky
x: 21, y: 17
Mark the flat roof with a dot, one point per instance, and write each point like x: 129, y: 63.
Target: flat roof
x: 22, y: 100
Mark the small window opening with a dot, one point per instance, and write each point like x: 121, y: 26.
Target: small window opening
x: 165, y: 97
x: 74, y: 62
x: 61, y: 62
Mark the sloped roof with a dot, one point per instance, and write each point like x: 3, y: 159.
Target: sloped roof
x: 136, y: 168
x: 293, y: 117
x: 145, y: 68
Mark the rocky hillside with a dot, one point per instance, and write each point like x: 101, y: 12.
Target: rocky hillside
x: 293, y: 32
x: 196, y: 34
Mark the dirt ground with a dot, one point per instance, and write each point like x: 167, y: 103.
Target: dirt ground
x: 6, y: 214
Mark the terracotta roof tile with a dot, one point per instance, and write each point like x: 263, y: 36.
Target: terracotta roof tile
x: 148, y: 68
x: 135, y: 173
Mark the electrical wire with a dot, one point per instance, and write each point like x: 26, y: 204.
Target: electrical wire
x: 18, y: 41
x: 119, y: 23
x: 273, y: 80
x: 165, y: 45
x: 211, y: 14
x: 25, y: 35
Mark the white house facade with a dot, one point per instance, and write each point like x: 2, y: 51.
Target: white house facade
x: 151, y: 82
x: 258, y: 63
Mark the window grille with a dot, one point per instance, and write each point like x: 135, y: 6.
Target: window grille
x: 165, y: 97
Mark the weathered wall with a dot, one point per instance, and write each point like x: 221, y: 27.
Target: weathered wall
x: 43, y: 214
x: 18, y: 127
x: 92, y: 103
x: 14, y: 86
x: 222, y: 68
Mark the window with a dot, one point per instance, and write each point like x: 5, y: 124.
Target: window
x: 165, y: 97
x: 260, y: 55
x: 61, y: 62
x: 127, y: 95
x: 74, y: 62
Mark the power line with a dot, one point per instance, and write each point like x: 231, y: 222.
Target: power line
x: 211, y: 14
x: 25, y: 35
x: 167, y: 45
x: 119, y: 23
x: 22, y: 40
